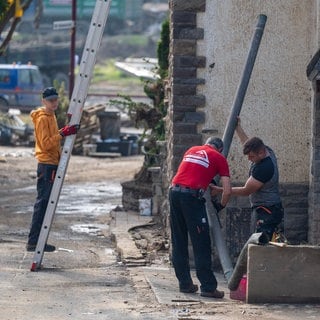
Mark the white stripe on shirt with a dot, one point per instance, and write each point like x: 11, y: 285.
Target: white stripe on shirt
x: 201, y: 159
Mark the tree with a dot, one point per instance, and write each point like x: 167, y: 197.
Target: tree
x: 152, y: 118
x: 11, y: 12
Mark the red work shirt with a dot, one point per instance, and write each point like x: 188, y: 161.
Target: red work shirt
x: 199, y: 166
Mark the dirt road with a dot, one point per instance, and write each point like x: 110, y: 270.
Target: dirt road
x: 18, y: 168
x: 84, y: 278
x: 91, y: 186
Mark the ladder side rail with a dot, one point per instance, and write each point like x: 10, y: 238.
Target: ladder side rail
x: 79, y: 95
x: 87, y: 63
x: 48, y: 218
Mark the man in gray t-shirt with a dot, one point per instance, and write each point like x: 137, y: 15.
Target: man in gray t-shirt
x: 262, y: 186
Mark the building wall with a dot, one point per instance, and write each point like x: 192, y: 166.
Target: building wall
x: 277, y: 105
x: 209, y: 45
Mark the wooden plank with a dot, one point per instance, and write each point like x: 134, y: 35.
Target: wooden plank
x: 104, y: 154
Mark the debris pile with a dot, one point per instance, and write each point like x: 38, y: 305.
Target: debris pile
x: 13, y: 131
x: 89, y: 125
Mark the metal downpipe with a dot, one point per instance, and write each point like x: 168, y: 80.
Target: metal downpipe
x: 215, y: 227
x: 241, y: 266
x: 243, y: 85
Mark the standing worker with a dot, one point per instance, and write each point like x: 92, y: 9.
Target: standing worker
x: 47, y: 151
x: 188, y: 215
x: 262, y: 186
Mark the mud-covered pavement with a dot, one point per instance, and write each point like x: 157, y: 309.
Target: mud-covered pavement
x: 85, y: 278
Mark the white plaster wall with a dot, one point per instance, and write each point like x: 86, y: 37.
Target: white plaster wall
x: 277, y: 106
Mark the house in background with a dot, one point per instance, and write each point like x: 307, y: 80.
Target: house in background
x: 209, y: 46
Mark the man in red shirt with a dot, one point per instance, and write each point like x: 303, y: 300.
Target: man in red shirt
x: 188, y: 214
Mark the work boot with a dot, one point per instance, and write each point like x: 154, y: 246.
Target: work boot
x: 47, y: 247
x: 213, y: 294
x: 191, y: 289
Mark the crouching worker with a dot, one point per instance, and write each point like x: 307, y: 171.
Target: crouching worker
x: 47, y: 151
x: 188, y: 214
x: 262, y: 186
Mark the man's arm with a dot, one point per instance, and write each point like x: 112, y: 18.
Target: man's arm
x: 240, y: 132
x: 226, y: 190
x: 252, y: 185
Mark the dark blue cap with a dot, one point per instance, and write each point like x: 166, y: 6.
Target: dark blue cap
x: 50, y: 93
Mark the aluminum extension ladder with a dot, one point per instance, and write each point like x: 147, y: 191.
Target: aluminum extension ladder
x: 79, y: 94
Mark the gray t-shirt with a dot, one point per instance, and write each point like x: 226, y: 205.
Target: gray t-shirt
x: 266, y: 171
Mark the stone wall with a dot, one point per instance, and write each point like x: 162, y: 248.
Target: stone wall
x: 237, y: 216
x: 295, y: 203
x: 185, y: 107
x: 160, y: 185
x: 184, y: 104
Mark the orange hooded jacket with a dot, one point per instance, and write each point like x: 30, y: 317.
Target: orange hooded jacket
x: 48, y: 138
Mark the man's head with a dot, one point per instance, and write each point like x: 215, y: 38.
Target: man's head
x: 50, y: 93
x: 50, y: 99
x: 217, y: 143
x: 255, y: 149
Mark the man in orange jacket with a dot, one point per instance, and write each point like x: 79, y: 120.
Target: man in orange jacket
x: 47, y: 151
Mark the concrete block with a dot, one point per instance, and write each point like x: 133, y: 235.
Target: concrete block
x: 287, y: 274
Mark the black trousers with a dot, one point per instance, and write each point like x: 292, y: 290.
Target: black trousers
x: 188, y: 216
x: 267, y: 218
x: 45, y: 178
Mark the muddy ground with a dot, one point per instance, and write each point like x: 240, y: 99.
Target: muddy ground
x: 92, y: 189
x: 92, y: 186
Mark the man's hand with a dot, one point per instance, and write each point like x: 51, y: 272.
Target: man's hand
x: 217, y: 205
x: 69, y: 130
x: 238, y: 121
x: 240, y: 132
x: 214, y: 190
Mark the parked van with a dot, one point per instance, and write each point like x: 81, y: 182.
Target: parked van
x: 20, y: 86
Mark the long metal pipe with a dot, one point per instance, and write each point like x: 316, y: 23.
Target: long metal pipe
x: 215, y: 228
x: 243, y: 85
x: 241, y: 266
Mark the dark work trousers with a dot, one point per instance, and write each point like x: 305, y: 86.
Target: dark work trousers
x: 188, y: 216
x: 45, y: 178
x: 266, y: 219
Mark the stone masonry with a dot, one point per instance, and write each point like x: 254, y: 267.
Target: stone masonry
x: 184, y: 110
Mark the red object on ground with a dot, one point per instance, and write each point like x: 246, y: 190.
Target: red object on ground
x: 241, y: 292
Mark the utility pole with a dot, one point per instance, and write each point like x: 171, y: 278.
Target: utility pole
x: 72, y: 46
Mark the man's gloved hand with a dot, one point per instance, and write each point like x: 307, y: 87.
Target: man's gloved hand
x: 69, y: 130
x: 217, y: 205
x: 214, y: 182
